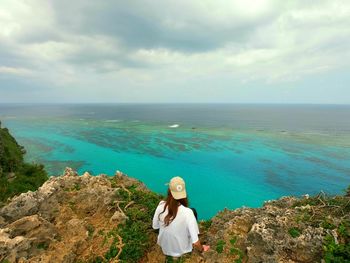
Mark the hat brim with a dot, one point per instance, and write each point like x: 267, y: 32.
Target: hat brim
x: 179, y: 195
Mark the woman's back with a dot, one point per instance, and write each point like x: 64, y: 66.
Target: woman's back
x: 176, y: 238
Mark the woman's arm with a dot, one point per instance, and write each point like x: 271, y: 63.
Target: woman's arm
x: 155, y: 221
x: 193, y: 233
x: 198, y: 246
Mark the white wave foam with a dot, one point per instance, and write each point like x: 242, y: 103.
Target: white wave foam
x: 174, y: 126
x: 9, y: 117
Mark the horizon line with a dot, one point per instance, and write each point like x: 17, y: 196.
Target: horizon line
x: 173, y: 103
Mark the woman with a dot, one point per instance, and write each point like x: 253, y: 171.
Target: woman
x: 178, y: 228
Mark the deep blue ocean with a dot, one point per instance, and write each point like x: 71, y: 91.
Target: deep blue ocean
x: 230, y: 155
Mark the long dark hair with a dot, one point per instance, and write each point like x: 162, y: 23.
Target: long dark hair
x: 172, y: 205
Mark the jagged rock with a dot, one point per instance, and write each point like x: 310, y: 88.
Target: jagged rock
x: 61, y: 220
x: 12, y: 248
x: 49, y: 188
x: 33, y: 227
x: 23, y: 237
x: 119, y: 174
x: 118, y: 218
x: 69, y: 172
x: 22, y: 205
x: 86, y: 174
x: 263, y: 234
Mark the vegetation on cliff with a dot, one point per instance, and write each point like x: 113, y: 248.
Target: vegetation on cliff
x: 135, y: 234
x: 331, y: 213
x: 16, y: 176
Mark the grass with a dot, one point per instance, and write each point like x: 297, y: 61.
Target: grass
x: 294, y: 232
x: 220, y: 246
x: 236, y: 251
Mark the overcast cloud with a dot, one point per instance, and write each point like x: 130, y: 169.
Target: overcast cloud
x: 175, y: 51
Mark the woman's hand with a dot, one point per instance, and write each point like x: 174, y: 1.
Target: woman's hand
x: 205, y: 248
x: 200, y: 247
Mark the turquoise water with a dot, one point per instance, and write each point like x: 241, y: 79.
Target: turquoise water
x: 229, y: 156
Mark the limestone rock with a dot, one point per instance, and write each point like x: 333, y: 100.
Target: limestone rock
x: 63, y: 220
x: 69, y: 172
x: 118, y: 218
x: 22, y: 205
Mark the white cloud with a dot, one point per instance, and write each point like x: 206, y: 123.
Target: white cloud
x: 19, y: 18
x: 15, y: 71
x: 110, y: 44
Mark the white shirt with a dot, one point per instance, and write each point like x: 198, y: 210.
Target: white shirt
x: 177, y: 238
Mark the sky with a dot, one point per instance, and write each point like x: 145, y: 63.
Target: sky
x: 257, y: 51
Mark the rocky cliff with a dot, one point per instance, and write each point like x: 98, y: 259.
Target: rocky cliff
x: 73, y: 218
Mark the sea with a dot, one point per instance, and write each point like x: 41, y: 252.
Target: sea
x: 230, y: 155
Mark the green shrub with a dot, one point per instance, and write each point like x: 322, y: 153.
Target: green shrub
x: 334, y: 252
x: 220, y: 246
x: 42, y: 245
x: 294, y: 232
x: 206, y: 224
x: 236, y: 251
x: 136, y: 231
x: 29, y: 177
x: 338, y: 251
x: 233, y: 240
x: 16, y: 176
x: 11, y: 153
x: 327, y: 225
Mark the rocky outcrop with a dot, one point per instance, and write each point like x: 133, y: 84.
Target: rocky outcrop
x: 284, y: 230
x: 60, y: 221
x: 87, y: 218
